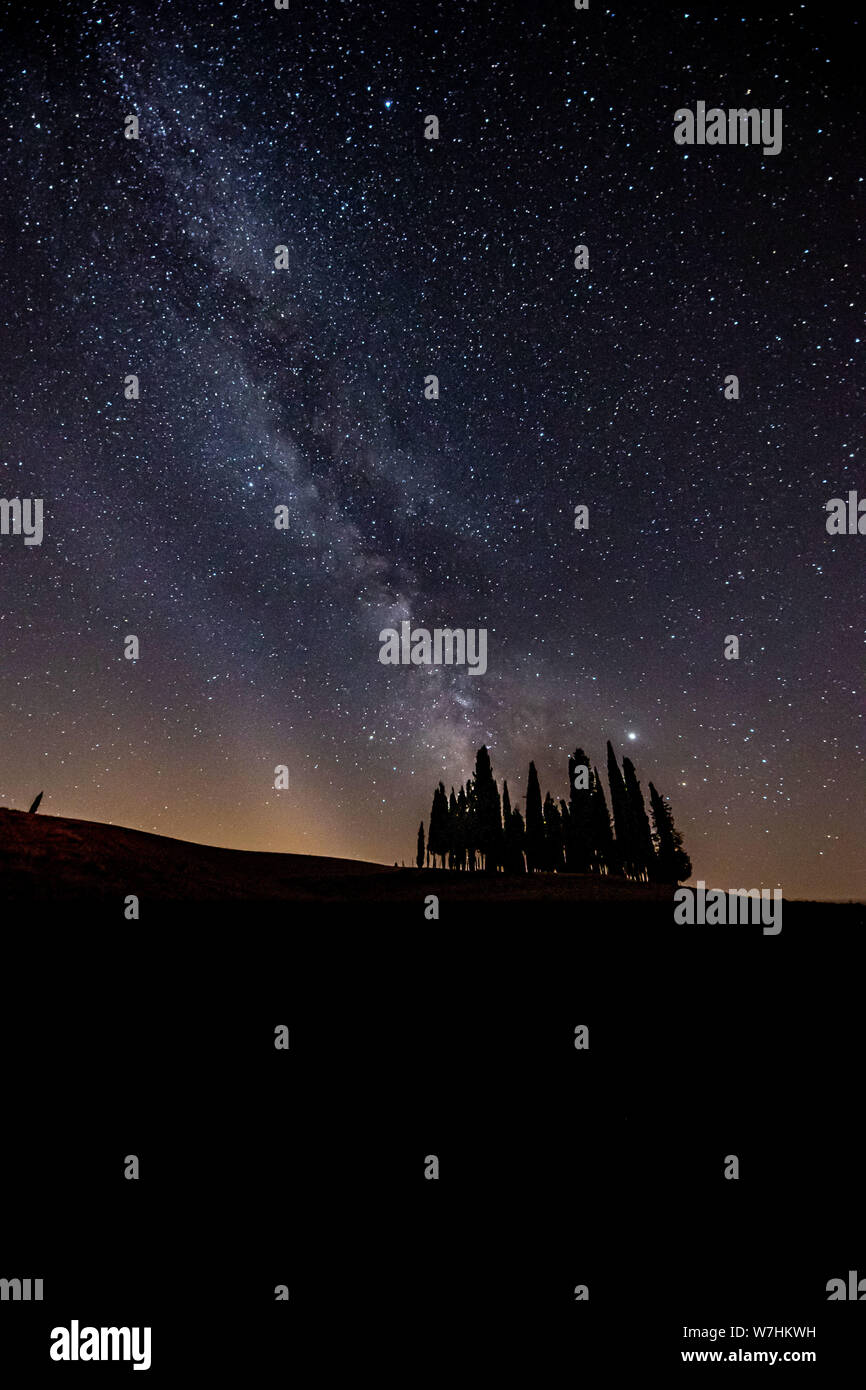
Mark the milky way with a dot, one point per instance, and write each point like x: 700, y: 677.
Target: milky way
x: 304, y: 388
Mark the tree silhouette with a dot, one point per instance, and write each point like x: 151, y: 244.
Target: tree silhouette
x: 513, y: 834
x: 452, y: 830
x: 471, y: 825
x: 35, y: 807
x: 565, y: 826
x: 437, y: 835
x: 601, y: 833
x: 579, y: 840
x: 507, y: 847
x: 518, y: 841
x: 460, y: 829
x: 489, y: 811
x: 534, y: 823
x: 419, y: 857
x: 621, y: 814
x: 643, y: 851
x: 673, y: 864
x: 554, y: 859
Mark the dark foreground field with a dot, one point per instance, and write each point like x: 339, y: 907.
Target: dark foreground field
x: 601, y: 1167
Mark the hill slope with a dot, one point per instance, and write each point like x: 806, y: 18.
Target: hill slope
x: 54, y: 859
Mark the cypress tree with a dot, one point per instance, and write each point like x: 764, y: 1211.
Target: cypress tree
x: 452, y: 830
x: 553, y: 848
x: 508, y: 845
x: 579, y: 843
x: 513, y: 834
x: 625, y: 851
x: 644, y: 852
x: 419, y: 857
x: 471, y: 824
x: 604, y: 859
x: 565, y: 822
x: 431, y: 832
x: 489, y: 811
x: 518, y: 841
x: 534, y: 823
x: 445, y: 823
x: 673, y: 864
x: 460, y: 835
x: 437, y: 834
x: 506, y: 805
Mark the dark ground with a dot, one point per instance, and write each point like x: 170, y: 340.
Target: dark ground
x: 411, y: 1037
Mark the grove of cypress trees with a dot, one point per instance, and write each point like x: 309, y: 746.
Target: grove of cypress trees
x: 476, y: 829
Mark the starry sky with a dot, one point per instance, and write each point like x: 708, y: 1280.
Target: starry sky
x: 305, y: 388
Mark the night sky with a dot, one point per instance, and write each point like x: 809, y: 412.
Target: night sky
x: 559, y: 387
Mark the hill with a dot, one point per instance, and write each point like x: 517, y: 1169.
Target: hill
x: 52, y: 862
x: 52, y: 859
x: 55, y: 859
